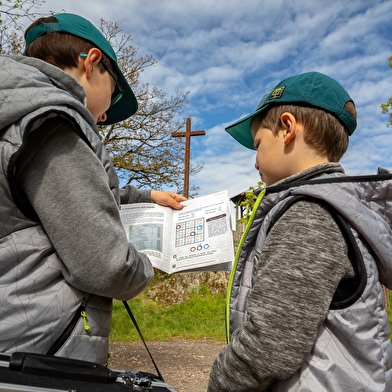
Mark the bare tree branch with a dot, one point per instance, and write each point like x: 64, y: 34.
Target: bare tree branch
x: 142, y: 148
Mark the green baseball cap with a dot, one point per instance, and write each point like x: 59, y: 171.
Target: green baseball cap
x: 308, y: 89
x: 76, y: 25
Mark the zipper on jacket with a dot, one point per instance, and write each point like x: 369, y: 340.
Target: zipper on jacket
x: 84, y: 317
x: 68, y: 330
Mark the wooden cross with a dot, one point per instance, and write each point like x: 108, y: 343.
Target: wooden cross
x: 188, y: 133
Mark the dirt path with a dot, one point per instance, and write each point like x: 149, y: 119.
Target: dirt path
x: 184, y: 364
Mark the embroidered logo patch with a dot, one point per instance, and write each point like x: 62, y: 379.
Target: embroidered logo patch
x: 277, y: 93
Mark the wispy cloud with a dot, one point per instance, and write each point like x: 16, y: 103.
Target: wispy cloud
x: 228, y: 53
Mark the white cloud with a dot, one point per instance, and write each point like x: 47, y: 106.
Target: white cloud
x: 234, y: 171
x: 228, y: 54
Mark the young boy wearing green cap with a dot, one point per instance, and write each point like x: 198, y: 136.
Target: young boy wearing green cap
x: 64, y: 253
x: 306, y: 307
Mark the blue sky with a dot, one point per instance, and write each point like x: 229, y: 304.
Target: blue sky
x: 228, y: 53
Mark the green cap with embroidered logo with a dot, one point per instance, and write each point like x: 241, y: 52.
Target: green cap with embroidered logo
x: 77, y: 25
x: 311, y: 89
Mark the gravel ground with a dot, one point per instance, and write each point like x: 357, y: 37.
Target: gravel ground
x: 184, y: 364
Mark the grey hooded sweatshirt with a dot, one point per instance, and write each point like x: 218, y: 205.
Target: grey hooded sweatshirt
x: 64, y: 254
x: 306, y: 309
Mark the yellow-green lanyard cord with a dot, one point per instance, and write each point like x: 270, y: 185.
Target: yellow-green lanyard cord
x: 233, y: 270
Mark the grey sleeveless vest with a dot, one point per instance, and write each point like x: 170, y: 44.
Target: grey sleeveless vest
x: 39, y: 311
x: 352, y: 347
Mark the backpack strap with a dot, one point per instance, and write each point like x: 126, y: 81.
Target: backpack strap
x: 349, y: 290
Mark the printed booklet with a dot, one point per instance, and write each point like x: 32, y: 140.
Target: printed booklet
x: 197, y: 238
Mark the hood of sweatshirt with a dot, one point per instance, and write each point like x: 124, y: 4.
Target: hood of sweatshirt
x: 28, y: 84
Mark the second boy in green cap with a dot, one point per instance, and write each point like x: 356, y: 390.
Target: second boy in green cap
x: 306, y: 309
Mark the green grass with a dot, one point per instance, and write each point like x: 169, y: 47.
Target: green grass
x: 389, y: 311
x: 200, y: 317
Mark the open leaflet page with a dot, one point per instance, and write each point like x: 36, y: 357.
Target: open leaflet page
x: 196, y: 238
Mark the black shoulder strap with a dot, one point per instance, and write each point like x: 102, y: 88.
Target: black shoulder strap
x: 350, y: 290
x: 142, y: 338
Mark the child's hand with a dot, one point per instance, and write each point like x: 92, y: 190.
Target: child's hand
x: 167, y: 199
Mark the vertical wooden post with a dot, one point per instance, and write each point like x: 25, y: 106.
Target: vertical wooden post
x: 187, y: 134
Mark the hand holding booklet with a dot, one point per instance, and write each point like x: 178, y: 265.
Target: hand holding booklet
x: 196, y: 238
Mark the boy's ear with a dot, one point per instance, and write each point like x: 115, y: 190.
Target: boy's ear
x: 91, y: 60
x: 289, y: 125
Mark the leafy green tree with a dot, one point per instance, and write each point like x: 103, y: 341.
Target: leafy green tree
x: 248, y: 201
x: 387, y: 107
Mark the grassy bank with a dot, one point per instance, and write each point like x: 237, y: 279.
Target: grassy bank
x: 202, y: 316
x: 389, y: 311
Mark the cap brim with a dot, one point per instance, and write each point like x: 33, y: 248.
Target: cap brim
x: 241, y: 131
x: 125, y: 107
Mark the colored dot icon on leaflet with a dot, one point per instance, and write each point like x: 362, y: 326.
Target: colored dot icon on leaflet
x: 190, y: 232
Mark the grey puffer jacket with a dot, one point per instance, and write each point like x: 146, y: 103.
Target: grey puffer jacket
x: 352, y: 350
x: 40, y: 310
